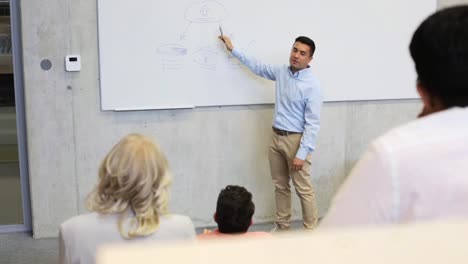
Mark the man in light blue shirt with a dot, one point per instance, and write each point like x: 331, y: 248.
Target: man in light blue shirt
x: 295, y: 127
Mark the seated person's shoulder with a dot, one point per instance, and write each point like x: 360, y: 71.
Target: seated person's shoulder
x: 176, y: 218
x: 178, y: 223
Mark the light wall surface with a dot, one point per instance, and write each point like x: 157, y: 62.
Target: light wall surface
x: 207, y: 148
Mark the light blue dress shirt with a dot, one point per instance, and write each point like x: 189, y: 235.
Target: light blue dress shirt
x: 298, y: 99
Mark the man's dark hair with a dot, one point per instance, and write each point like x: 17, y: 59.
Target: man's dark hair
x: 308, y: 42
x: 234, y: 210
x: 439, y: 48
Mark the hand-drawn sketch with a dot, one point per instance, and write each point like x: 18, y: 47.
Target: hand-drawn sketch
x: 206, y: 57
x: 206, y: 12
x: 184, y: 34
x: 172, y: 56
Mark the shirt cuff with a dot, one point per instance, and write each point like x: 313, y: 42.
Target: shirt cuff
x: 302, y: 153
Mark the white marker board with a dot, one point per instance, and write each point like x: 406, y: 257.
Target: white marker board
x: 157, y: 54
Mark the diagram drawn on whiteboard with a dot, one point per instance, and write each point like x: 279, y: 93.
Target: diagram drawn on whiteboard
x: 174, y: 54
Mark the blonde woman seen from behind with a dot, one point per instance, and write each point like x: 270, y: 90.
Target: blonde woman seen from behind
x: 129, y: 203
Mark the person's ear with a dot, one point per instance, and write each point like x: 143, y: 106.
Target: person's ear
x: 251, y: 222
x: 215, y: 217
x: 426, y: 99
x: 431, y: 104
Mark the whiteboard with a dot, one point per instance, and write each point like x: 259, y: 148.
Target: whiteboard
x: 156, y: 54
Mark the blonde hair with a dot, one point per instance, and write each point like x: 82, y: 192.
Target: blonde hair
x: 134, y: 176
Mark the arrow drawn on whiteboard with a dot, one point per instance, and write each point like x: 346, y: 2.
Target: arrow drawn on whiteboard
x: 184, y: 34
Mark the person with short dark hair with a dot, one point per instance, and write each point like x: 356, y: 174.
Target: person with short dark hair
x: 234, y: 211
x: 296, y: 123
x: 418, y: 171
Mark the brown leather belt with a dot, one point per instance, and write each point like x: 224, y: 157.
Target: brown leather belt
x: 284, y: 132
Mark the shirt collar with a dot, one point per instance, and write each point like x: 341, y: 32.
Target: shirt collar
x: 301, y: 73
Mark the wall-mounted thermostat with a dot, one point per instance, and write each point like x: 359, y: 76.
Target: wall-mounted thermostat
x: 73, y: 63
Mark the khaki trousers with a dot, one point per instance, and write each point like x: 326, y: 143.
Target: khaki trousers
x: 282, y: 151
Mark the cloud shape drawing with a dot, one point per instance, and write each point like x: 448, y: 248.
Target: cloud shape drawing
x: 205, y: 12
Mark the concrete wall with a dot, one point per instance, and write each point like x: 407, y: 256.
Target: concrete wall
x: 207, y: 148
